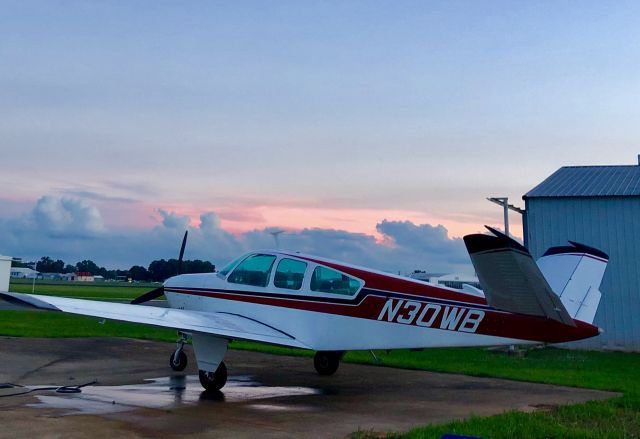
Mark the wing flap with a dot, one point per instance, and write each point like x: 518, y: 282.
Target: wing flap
x: 216, y: 323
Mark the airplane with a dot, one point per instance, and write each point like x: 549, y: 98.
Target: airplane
x: 302, y: 301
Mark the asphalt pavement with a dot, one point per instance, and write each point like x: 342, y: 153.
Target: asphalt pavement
x: 266, y: 395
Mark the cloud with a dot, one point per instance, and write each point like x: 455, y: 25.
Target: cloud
x: 209, y: 221
x: 66, y: 218
x: 424, y: 238
x: 93, y: 195
x: 72, y: 230
x: 172, y: 220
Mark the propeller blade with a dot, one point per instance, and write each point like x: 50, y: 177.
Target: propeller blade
x: 184, y: 243
x: 153, y: 294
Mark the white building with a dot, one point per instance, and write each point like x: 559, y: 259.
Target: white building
x: 5, y: 269
x: 453, y: 280
x: 23, y: 273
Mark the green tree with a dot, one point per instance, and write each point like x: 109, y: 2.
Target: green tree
x: 20, y: 264
x: 198, y: 266
x: 48, y: 265
x: 88, y: 266
x: 138, y: 272
x: 160, y: 270
x: 70, y: 268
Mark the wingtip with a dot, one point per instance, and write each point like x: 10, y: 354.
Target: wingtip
x: 27, y: 300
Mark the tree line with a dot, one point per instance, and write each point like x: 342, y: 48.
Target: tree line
x: 157, y: 271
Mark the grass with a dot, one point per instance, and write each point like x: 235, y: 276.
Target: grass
x: 615, y: 418
x: 102, y: 290
x: 56, y: 325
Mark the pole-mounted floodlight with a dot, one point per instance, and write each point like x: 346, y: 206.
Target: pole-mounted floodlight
x: 276, y: 233
x: 35, y: 274
x: 504, y: 202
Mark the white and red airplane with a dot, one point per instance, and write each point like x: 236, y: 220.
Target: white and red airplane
x: 291, y: 299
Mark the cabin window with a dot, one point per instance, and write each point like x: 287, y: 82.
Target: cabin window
x: 326, y: 280
x: 254, y: 270
x: 289, y: 274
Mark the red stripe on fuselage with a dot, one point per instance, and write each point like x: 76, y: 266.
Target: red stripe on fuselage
x: 494, y: 322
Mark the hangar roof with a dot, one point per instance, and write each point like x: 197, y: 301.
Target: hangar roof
x: 589, y: 181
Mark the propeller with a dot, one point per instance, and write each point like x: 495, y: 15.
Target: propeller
x: 157, y: 292
x: 184, y: 243
x: 151, y: 295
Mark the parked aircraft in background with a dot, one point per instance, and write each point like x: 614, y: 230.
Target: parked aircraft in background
x: 302, y: 301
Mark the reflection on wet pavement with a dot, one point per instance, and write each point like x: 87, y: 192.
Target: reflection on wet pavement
x: 169, y: 392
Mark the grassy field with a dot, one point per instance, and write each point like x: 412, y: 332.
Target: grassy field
x: 616, y: 418
x: 101, y: 291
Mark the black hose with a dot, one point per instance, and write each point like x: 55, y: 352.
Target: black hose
x: 57, y: 389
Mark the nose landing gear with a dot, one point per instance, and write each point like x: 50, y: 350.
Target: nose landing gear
x: 178, y: 360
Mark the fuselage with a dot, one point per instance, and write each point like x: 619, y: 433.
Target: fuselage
x: 328, y: 305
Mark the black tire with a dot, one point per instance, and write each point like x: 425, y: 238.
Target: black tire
x: 214, y: 380
x: 180, y: 364
x: 326, y: 362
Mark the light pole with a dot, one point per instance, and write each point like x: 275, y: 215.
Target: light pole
x: 504, y: 202
x: 35, y: 268
x: 276, y: 233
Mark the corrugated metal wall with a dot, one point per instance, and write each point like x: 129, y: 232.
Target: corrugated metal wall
x: 612, y: 225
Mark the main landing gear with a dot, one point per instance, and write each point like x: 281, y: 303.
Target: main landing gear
x: 327, y: 362
x: 211, y: 381
x: 178, y: 360
x: 214, y: 380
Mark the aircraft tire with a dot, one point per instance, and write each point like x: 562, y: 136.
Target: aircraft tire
x: 326, y: 362
x: 214, y: 380
x: 181, y: 363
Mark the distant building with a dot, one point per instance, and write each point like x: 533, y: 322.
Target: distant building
x: 424, y: 276
x: 23, y: 273
x: 84, y: 276
x: 448, y: 280
x: 51, y: 276
x: 598, y: 206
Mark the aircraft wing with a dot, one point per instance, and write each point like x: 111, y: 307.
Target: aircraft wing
x: 232, y: 326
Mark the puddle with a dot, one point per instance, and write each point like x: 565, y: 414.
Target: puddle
x: 280, y: 408
x: 167, y: 393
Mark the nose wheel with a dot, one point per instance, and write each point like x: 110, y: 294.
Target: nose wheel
x: 178, y: 360
x: 214, y: 380
x: 327, y: 362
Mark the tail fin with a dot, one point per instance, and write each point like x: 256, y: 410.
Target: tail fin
x: 574, y: 273
x: 510, y: 278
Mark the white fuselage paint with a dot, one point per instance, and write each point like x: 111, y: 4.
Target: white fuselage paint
x: 324, y: 331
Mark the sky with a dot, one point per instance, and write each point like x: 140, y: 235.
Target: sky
x: 369, y: 131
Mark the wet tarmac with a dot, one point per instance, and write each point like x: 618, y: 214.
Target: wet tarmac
x: 163, y: 393
x: 266, y: 396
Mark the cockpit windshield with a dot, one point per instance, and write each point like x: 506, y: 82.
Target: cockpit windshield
x: 254, y: 270
x: 227, y: 268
